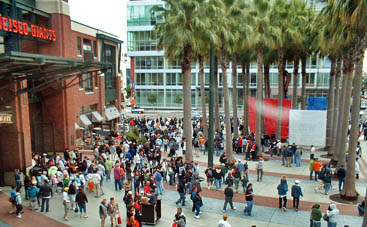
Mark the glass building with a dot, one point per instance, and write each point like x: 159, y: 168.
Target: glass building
x: 153, y: 75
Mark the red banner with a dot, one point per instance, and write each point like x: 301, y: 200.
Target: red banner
x: 271, y: 116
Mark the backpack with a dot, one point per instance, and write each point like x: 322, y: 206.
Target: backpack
x: 209, y: 173
x: 158, y: 176
x: 32, y: 192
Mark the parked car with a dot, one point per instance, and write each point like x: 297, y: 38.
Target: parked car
x: 137, y: 110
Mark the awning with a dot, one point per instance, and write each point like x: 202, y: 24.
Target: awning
x: 96, y: 117
x: 43, y: 71
x: 76, y: 126
x: 85, y: 120
x: 112, y: 113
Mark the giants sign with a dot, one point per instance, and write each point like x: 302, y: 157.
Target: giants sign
x: 22, y: 28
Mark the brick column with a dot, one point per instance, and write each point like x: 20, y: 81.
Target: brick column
x: 15, y: 142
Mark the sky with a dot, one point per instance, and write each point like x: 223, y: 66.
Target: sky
x: 106, y: 15
x: 110, y: 16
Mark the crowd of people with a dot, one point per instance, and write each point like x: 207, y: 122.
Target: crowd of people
x: 139, y: 168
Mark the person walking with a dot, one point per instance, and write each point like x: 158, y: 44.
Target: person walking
x: 18, y: 203
x: 327, y: 182
x: 103, y: 210
x: 312, y: 152
x: 66, y: 203
x: 209, y: 176
x: 282, y: 192
x: 296, y: 193
x: 298, y: 156
x: 181, y: 191
x: 316, y: 167
x: 46, y: 194
x: 72, y: 194
x: 17, y: 178
x: 218, y: 178
x: 332, y: 214
x: 117, y: 176
x: 198, y: 202
x: 96, y: 179
x: 228, y: 192
x: 249, y: 196
x: 316, y: 216
x: 237, y: 178
x: 310, y: 167
x: 341, y: 173
x: 180, y: 218
x: 32, y: 192
x: 113, y: 211
x: 223, y: 222
x: 289, y: 158
x: 260, y: 169
x: 82, y: 200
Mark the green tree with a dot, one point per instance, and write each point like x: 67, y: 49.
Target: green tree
x: 152, y: 99
x: 183, y: 22
x: 128, y: 91
x: 260, y: 38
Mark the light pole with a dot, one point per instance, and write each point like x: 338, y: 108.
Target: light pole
x: 211, y: 108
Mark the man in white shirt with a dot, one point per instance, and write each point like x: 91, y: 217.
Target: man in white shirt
x: 223, y: 222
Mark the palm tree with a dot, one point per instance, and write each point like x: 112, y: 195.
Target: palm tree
x: 202, y: 94
x: 234, y: 96
x: 283, y: 32
x: 246, y: 55
x: 306, y: 49
x: 355, y: 15
x: 260, y: 37
x: 216, y: 95
x: 182, y: 25
x: 224, y: 15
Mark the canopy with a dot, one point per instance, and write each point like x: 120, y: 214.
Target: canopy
x: 112, y: 113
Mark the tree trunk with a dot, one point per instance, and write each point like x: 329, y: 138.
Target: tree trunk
x: 303, y: 91
x: 330, y: 109
x: 345, y: 112
x: 216, y: 95
x: 336, y: 107
x: 187, y: 124
x: 267, y: 79
x: 245, y: 75
x: 234, y: 105
x: 295, y: 80
x: 340, y: 112
x: 203, y: 96
x: 259, y: 96
x: 223, y: 62
x: 280, y: 91
x: 349, y: 190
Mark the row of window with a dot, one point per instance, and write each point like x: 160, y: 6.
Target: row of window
x: 175, y: 79
x: 168, y: 98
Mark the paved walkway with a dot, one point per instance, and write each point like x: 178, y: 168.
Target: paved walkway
x: 265, y: 211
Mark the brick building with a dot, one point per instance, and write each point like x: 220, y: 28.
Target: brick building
x: 59, y: 79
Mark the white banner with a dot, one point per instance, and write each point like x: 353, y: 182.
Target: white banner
x: 307, y: 127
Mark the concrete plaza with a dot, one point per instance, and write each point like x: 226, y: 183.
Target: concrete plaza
x: 265, y: 212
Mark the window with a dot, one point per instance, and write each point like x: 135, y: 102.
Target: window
x: 141, y: 41
x: 310, y: 79
x: 95, y: 79
x: 79, y: 45
x: 80, y: 81
x: 88, y: 82
x: 149, y: 62
x: 141, y: 15
x: 94, y: 48
x: 87, y: 45
x: 253, y: 79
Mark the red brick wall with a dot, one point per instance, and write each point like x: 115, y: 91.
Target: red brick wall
x: 15, y: 142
